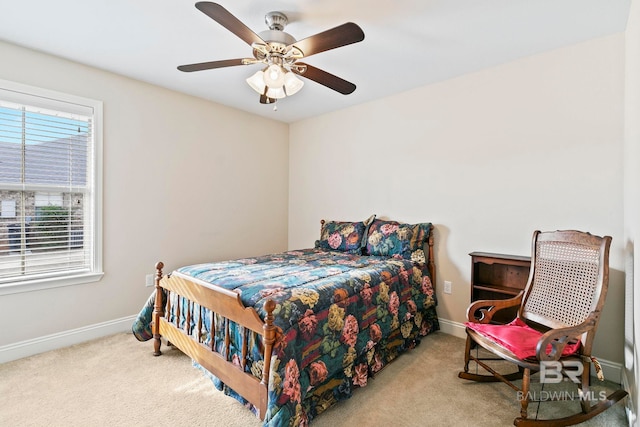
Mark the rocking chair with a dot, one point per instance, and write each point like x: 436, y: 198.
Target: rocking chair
x: 553, y: 332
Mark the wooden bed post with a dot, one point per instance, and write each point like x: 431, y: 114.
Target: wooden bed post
x: 432, y: 264
x: 269, y: 340
x: 158, y: 311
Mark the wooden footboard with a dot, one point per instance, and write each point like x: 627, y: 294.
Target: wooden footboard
x: 227, y: 304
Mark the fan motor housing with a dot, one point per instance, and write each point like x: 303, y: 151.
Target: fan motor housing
x: 279, y: 44
x: 277, y: 36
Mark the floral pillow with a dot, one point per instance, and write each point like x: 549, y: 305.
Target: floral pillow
x: 344, y: 236
x: 396, y: 239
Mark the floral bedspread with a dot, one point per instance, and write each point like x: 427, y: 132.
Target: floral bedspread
x: 340, y: 319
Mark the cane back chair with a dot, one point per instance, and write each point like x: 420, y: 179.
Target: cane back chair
x: 556, y: 322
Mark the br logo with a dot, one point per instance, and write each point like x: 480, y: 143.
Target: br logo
x: 551, y: 372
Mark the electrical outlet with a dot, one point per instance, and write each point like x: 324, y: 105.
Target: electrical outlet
x: 447, y: 287
x: 149, y: 280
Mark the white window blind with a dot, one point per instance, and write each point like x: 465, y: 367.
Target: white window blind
x: 48, y: 170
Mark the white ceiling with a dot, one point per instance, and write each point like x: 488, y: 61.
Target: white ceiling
x: 408, y: 43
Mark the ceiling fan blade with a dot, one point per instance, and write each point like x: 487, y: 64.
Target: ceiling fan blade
x: 211, y: 65
x: 326, y: 79
x: 223, y: 17
x: 341, y: 35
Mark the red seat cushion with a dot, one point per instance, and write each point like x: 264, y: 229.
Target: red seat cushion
x: 517, y: 337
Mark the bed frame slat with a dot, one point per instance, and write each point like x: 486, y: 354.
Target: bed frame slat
x: 227, y: 340
x: 243, y: 361
x: 200, y: 313
x: 212, y: 333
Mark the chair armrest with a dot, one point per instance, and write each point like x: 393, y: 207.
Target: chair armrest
x: 560, y: 337
x: 489, y: 307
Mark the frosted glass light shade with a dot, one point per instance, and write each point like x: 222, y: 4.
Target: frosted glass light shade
x: 276, y: 93
x: 292, y: 84
x: 274, y: 76
x: 257, y: 82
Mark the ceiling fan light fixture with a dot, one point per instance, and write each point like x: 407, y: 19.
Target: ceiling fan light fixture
x: 292, y: 84
x: 256, y: 82
x: 274, y: 76
x: 275, y: 82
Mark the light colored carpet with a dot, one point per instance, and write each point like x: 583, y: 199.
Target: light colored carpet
x: 116, y: 381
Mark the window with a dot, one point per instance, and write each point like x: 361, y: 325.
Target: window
x: 50, y: 187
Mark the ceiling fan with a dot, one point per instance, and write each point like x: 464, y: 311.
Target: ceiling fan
x: 280, y: 52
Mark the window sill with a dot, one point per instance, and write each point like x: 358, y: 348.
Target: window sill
x: 57, y: 282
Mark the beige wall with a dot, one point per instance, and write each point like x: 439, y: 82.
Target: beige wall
x: 185, y: 181
x: 487, y: 157
x: 632, y: 210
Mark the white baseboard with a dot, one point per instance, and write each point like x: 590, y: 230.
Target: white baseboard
x: 612, y: 371
x: 64, y: 339
x: 450, y: 327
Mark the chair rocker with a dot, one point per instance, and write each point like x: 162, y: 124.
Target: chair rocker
x: 556, y: 323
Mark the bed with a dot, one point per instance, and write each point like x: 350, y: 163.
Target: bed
x: 293, y: 333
